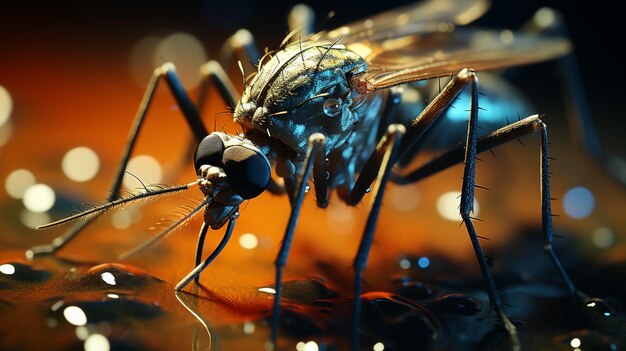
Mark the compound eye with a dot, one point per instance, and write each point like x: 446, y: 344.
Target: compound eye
x: 209, y: 152
x: 332, y: 107
x: 248, y: 171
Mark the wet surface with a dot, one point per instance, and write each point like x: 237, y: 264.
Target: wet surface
x: 423, y: 289
x: 67, y: 302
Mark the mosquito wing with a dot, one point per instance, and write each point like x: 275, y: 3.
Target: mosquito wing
x: 423, y: 17
x: 438, y: 54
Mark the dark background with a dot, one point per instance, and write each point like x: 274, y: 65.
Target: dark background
x: 101, y: 30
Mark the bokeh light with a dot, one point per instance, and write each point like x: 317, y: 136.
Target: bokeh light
x: 404, y: 263
x: 75, y: 315
x: 248, y: 328
x: 423, y: 262
x: 144, y: 167
x: 34, y: 219
x: 17, y: 182
x: 7, y: 269
x: 307, y: 346
x: 124, y: 219
x: 248, y: 241
x: 268, y: 290
x: 6, y: 130
x: 6, y: 106
x: 404, y: 198
x: 603, y: 237
x: 82, y: 332
x: 340, y: 219
x: 448, y: 206
x: 39, y: 198
x: 97, y: 342
x: 80, y: 164
x: 578, y: 202
x: 184, y: 50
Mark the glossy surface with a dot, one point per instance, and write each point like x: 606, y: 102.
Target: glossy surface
x: 71, y: 86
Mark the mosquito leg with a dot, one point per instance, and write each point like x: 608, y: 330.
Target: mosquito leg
x: 456, y: 156
x: 379, y: 163
x: 200, y: 246
x: 167, y: 72
x: 503, y: 135
x: 577, y: 109
x: 316, y: 149
x: 417, y: 128
x: 467, y: 207
x: 546, y: 213
x: 195, y: 273
x: 240, y: 45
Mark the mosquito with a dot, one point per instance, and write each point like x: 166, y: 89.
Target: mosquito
x: 321, y: 107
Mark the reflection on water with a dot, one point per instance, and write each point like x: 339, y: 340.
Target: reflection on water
x: 75, y: 315
x: 108, y: 278
x: 427, y: 303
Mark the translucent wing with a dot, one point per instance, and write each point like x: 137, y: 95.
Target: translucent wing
x: 438, y: 54
x: 426, y: 16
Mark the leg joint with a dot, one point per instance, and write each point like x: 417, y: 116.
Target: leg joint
x: 164, y: 69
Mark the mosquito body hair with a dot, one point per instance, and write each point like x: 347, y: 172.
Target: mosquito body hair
x: 149, y: 194
x: 177, y: 224
x: 317, y: 67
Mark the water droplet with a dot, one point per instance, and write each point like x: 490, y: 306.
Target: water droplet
x: 332, y: 107
x: 123, y: 276
x: 394, y: 318
x: 307, y: 188
x: 411, y: 289
x: 456, y: 304
x: 598, y: 307
x: 109, y: 310
x: 306, y: 291
x: 22, y: 273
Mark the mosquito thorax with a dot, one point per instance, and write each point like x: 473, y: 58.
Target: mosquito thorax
x: 230, y: 167
x: 300, y: 90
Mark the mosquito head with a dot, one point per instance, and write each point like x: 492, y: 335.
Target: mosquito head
x: 301, y: 90
x: 230, y: 168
